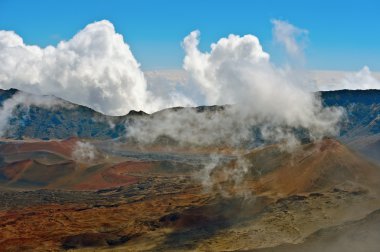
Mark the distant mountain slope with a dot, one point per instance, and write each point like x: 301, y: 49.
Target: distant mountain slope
x: 59, y: 122
x: 362, y: 106
x: 361, y: 129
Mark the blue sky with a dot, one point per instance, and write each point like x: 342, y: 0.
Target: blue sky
x: 343, y: 35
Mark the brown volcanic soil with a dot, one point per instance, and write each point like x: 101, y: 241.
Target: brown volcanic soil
x: 317, y: 167
x: 32, y: 172
x: 107, y: 217
x: 360, y: 235
x: 282, y: 198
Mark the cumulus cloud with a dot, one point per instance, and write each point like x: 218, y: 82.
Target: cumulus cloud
x: 207, y: 68
x: 238, y: 71
x: 95, y: 68
x: 290, y: 36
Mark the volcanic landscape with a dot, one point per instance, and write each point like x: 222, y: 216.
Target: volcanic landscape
x: 72, y: 179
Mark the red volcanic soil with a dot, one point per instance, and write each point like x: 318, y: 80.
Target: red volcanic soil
x: 116, y: 175
x: 64, y: 147
x: 12, y: 172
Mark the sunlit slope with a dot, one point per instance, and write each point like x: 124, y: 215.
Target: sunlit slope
x: 314, y: 167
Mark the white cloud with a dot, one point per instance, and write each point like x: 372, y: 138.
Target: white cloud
x: 225, y: 60
x: 290, y: 36
x: 95, y: 68
x: 84, y: 152
x: 187, y: 126
x: 360, y: 80
x: 238, y: 71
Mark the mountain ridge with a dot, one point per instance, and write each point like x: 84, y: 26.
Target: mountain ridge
x: 362, y: 108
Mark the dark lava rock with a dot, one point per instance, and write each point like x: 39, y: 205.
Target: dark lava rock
x: 92, y: 240
x: 291, y: 199
x: 84, y: 240
x: 172, y: 217
x: 316, y: 194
